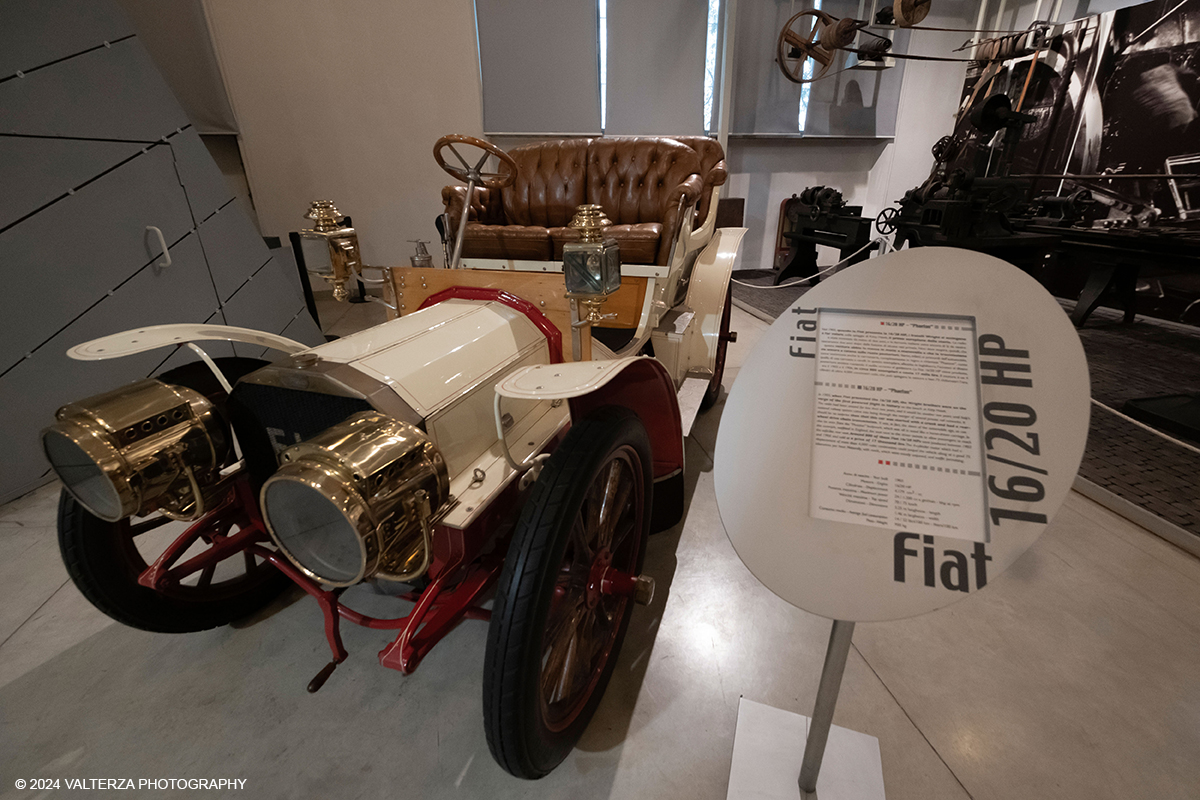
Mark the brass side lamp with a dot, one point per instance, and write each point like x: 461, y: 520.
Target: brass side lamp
x: 330, y: 250
x: 592, y: 266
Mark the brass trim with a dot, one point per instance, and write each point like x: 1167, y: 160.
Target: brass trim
x: 159, y: 446
x: 386, y: 478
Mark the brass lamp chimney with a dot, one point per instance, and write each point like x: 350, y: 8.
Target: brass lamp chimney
x: 330, y: 250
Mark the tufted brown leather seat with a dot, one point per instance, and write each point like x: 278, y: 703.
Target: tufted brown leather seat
x: 639, y: 182
x: 712, y: 171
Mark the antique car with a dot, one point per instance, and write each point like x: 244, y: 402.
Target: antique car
x: 449, y: 456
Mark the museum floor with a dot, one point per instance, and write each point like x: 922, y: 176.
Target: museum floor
x: 1076, y: 674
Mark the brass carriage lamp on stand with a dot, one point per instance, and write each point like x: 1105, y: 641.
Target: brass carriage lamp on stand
x: 592, y: 268
x: 329, y: 249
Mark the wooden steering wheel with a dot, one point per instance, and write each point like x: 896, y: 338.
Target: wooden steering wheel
x: 473, y: 174
x: 804, y: 36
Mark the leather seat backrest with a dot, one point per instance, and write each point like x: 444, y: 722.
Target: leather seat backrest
x: 711, y: 155
x: 550, y: 183
x: 630, y: 178
x: 709, y: 149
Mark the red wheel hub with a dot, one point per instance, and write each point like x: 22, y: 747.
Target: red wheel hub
x: 596, y: 577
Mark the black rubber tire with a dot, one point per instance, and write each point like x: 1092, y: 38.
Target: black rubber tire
x: 517, y: 733
x: 103, y: 564
x: 714, y: 386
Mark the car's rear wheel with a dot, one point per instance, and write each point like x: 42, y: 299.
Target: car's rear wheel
x: 724, y: 338
x: 105, y: 559
x: 557, y: 627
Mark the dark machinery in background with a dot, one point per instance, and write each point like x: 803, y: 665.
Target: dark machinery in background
x: 819, y: 216
x: 1079, y: 200
x: 985, y: 207
x: 976, y: 207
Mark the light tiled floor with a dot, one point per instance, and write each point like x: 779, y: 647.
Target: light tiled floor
x: 1076, y: 674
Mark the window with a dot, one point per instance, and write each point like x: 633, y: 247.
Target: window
x: 602, y: 10
x: 710, y: 61
x: 806, y: 89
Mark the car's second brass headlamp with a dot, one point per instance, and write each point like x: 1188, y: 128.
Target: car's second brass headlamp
x: 330, y: 249
x: 139, y: 448
x: 358, y: 501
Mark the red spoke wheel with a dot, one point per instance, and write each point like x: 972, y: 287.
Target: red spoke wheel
x: 557, y: 624
x: 104, y: 559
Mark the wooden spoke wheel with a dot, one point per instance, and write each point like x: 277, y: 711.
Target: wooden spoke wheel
x: 800, y: 40
x: 564, y: 600
x: 910, y: 12
x: 105, y: 559
x: 465, y: 170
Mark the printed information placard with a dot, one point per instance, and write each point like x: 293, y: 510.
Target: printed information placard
x: 952, y: 350
x: 896, y: 427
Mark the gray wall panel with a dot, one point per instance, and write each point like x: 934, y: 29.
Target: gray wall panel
x: 176, y: 34
x: 301, y: 329
x: 45, y: 169
x: 83, y: 246
x: 36, y: 32
x: 234, y: 249
x: 205, y: 186
x: 285, y: 261
x: 32, y: 391
x: 111, y: 93
x: 304, y: 330
x: 265, y: 303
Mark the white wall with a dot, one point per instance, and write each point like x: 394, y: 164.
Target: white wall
x: 344, y: 101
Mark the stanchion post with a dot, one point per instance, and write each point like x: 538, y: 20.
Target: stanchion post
x: 827, y: 695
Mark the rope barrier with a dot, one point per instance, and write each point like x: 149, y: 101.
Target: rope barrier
x: 1146, y: 427
x: 882, y: 242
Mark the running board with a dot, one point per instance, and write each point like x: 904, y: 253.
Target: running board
x: 690, y: 395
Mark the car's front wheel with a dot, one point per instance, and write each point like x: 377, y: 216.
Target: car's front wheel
x: 558, y: 624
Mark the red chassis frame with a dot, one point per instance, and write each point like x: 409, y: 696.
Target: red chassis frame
x: 463, y: 568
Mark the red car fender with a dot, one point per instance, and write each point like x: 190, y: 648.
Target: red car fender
x: 645, y: 388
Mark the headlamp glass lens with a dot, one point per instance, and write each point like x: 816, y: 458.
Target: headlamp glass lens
x: 313, y: 530
x: 82, y: 476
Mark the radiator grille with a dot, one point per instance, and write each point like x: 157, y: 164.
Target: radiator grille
x: 268, y: 419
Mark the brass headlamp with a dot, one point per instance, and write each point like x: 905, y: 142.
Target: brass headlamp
x: 358, y: 501
x: 139, y: 448
x: 592, y: 265
x: 329, y: 249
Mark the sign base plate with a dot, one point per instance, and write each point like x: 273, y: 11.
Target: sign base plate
x: 768, y: 747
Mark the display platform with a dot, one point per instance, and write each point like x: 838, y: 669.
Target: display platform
x: 768, y: 747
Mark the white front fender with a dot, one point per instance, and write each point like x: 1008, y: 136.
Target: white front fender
x: 561, y: 381
x: 139, y: 340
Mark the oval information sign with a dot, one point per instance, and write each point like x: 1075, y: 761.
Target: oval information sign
x: 900, y: 436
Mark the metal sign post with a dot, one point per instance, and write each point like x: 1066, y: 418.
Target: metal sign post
x: 827, y: 695
x: 932, y: 407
